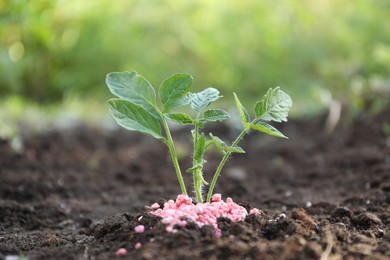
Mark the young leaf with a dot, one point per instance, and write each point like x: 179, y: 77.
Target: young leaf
x: 274, y: 106
x: 134, y: 117
x: 180, y: 118
x: 217, y: 142
x: 173, y: 91
x: 134, y: 88
x: 241, y: 109
x: 195, y: 167
x: 235, y: 149
x: 213, y: 115
x: 268, y: 129
x: 200, y: 148
x: 201, y: 100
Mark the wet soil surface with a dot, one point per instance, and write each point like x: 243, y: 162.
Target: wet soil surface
x: 79, y: 194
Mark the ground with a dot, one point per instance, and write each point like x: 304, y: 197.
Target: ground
x: 78, y: 194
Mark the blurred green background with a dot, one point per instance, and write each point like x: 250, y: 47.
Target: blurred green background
x: 59, y: 51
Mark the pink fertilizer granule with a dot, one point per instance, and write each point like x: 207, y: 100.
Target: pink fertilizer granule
x: 139, y: 229
x: 138, y: 245
x: 121, y: 252
x: 183, y: 210
x: 155, y: 206
x: 255, y: 211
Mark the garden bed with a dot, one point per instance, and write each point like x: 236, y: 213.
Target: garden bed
x: 79, y: 194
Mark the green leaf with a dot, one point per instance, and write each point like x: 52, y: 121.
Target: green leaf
x: 180, y: 118
x: 235, y: 149
x: 173, y: 91
x: 274, y: 106
x: 241, y: 109
x: 213, y: 115
x: 134, y: 117
x: 268, y: 129
x: 201, y: 100
x: 134, y: 88
x: 200, y: 148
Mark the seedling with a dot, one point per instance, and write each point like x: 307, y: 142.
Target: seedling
x: 136, y: 109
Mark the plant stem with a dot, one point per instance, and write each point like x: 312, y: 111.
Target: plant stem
x: 222, y: 163
x: 172, y: 151
x: 196, y: 178
x: 198, y: 185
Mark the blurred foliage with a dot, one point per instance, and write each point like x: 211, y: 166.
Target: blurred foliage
x: 316, y: 50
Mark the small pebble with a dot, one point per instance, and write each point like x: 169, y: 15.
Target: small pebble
x: 236, y: 173
x: 11, y: 257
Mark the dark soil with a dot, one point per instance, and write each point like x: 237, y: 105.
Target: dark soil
x: 79, y: 194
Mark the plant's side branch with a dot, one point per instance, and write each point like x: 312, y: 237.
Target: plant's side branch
x: 223, y: 161
x: 172, y: 151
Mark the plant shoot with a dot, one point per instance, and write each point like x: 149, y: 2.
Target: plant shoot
x: 136, y: 109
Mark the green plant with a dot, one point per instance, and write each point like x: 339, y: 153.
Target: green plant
x: 136, y: 109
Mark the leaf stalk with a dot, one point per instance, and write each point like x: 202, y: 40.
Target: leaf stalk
x: 223, y: 162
